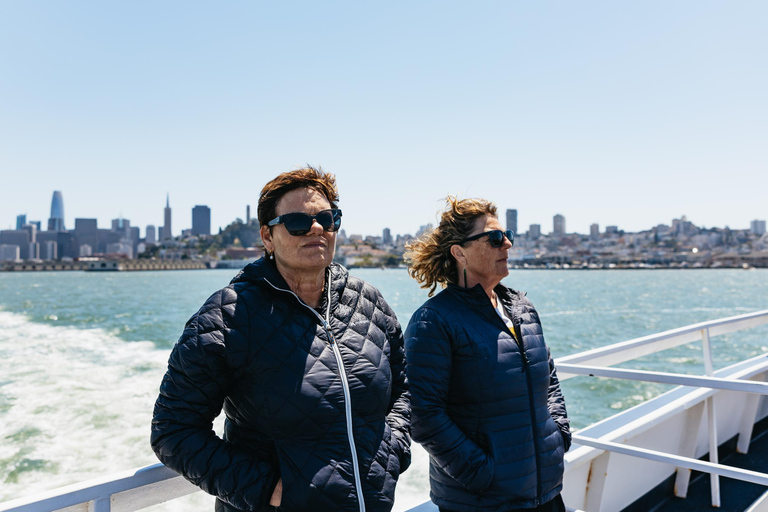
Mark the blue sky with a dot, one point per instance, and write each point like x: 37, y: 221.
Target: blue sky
x: 625, y: 113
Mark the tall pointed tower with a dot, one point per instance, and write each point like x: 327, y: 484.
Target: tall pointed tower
x: 56, y: 220
x: 167, y: 233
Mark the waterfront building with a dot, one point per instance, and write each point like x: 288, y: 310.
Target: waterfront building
x: 757, y: 227
x: 201, y: 220
x: 558, y: 225
x: 86, y: 233
x: 594, y: 231
x: 10, y: 252
x: 50, y: 250
x: 534, y: 231
x: 123, y: 247
x: 512, y: 220
x: 64, y: 240
x: 32, y: 229
x: 85, y: 251
x: 122, y: 226
x: 386, y: 237
x: 34, y: 251
x: 150, y: 237
x: 20, y: 221
x: 683, y: 227
x: 56, y: 220
x: 167, y: 230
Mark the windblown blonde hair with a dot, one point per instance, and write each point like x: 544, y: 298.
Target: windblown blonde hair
x: 429, y: 257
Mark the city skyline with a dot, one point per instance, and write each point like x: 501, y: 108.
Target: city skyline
x: 505, y: 215
x: 627, y: 115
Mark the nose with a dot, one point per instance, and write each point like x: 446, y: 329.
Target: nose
x: 316, y: 228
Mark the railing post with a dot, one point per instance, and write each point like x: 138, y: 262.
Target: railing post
x: 748, y: 419
x: 100, y: 505
x: 711, y: 419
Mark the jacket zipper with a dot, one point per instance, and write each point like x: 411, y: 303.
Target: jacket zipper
x: 526, y: 369
x: 326, y: 323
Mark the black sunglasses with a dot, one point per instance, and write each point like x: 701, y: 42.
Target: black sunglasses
x: 495, y: 237
x: 299, y: 224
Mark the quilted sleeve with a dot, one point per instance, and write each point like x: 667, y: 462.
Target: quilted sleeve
x: 556, y: 404
x: 399, y: 415
x: 191, y: 396
x: 428, y: 351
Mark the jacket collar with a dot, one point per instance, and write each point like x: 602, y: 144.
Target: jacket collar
x: 265, y: 269
x: 477, y: 297
x: 261, y: 270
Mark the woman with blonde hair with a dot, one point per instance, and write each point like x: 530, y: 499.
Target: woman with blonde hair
x: 486, y: 401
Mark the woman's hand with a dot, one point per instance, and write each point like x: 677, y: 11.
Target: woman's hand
x: 277, y: 494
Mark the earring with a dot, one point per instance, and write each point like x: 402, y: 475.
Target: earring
x: 272, y: 256
x: 465, y: 278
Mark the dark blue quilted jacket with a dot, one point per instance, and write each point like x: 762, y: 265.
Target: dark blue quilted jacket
x: 488, y: 410
x: 272, y: 363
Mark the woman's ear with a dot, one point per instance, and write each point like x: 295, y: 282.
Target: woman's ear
x: 459, y: 255
x: 266, y: 238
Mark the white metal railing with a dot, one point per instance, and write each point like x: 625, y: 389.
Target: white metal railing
x: 571, y: 366
x: 155, y: 484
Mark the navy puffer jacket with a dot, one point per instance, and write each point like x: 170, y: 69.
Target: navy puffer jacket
x: 271, y: 362
x: 488, y: 409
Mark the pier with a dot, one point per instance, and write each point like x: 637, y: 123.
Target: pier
x: 105, y: 265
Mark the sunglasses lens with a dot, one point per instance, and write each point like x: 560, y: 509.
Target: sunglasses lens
x: 496, y: 238
x: 297, y: 224
x: 325, y: 219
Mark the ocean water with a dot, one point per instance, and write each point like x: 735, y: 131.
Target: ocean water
x: 82, y: 355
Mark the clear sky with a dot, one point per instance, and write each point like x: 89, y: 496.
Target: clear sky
x: 625, y: 113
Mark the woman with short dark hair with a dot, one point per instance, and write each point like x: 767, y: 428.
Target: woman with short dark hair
x: 486, y: 401
x: 317, y: 406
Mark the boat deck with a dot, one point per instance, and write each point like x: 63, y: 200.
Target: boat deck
x: 735, y: 495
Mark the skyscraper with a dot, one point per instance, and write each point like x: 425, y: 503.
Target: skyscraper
x: 201, y: 220
x: 512, y: 220
x: 558, y: 222
x: 56, y: 221
x: 167, y: 233
x: 594, y: 231
x: 151, y: 235
x: 20, y: 221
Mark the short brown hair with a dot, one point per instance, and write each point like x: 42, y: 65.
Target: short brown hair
x: 306, y: 177
x: 429, y: 257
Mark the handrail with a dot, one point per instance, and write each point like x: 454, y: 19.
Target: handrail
x: 760, y: 388
x: 645, y: 345
x: 746, y: 475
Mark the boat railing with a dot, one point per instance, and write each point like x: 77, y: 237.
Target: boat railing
x: 595, y: 363
x: 151, y: 485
